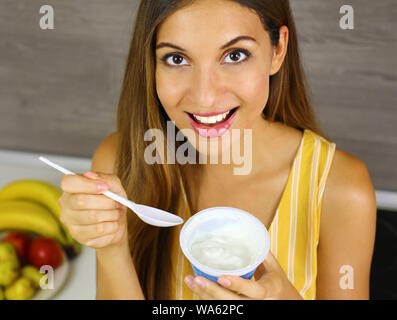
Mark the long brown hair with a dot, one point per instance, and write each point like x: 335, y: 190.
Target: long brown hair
x: 165, y: 185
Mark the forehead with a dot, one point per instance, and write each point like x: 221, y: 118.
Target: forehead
x: 209, y: 21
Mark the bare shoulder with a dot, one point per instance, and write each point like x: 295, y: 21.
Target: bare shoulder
x: 348, y: 183
x: 104, y: 157
x: 347, y: 228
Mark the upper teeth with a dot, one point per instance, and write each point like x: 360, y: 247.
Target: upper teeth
x: 213, y: 119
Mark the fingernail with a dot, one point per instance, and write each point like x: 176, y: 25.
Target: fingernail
x: 91, y: 175
x: 224, y: 282
x: 102, y: 187
x: 200, y: 282
x: 189, y: 281
x: 90, y: 243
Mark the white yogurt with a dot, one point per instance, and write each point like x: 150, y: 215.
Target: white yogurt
x: 225, y: 252
x: 224, y: 238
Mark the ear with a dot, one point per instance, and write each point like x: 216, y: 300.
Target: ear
x: 279, y: 51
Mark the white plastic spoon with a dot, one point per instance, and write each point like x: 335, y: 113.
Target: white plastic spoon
x: 153, y: 216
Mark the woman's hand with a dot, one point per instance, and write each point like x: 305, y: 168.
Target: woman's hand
x: 272, y: 284
x: 92, y: 218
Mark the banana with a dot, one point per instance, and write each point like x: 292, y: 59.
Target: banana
x: 42, y: 193
x: 29, y: 216
x: 35, y: 190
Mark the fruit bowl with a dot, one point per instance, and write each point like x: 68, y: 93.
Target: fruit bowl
x: 60, y: 276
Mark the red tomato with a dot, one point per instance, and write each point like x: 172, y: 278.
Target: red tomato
x: 21, y: 241
x: 45, y: 251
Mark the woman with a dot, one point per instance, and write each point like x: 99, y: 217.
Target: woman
x: 191, y: 60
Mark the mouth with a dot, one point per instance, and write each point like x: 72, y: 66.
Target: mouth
x: 211, y: 125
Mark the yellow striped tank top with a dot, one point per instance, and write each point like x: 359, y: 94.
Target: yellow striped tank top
x: 294, y: 231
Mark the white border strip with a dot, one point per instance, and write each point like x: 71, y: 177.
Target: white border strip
x: 21, y: 158
x: 386, y: 200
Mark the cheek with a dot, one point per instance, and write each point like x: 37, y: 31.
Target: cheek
x: 168, y: 93
x: 254, y: 93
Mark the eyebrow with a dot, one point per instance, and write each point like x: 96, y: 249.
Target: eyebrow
x: 230, y: 43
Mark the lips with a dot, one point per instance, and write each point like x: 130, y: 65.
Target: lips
x: 212, y: 130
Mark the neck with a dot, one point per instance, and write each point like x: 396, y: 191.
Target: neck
x: 256, y: 150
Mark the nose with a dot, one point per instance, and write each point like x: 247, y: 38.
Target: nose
x: 206, y: 87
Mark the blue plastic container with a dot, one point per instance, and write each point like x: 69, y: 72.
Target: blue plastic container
x: 213, y: 222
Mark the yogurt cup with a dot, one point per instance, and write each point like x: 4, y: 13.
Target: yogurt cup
x: 224, y: 241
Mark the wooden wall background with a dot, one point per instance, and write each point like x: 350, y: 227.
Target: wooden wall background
x: 59, y: 88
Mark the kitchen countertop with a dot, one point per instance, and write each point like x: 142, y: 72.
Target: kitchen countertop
x: 81, y: 282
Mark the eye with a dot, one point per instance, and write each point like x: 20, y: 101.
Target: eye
x: 236, y: 54
x: 176, y: 59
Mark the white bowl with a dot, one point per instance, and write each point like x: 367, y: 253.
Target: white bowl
x: 60, y: 275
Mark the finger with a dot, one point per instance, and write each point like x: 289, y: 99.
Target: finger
x: 271, y: 263
x: 210, y: 290
x: 260, y: 272
x: 193, y: 285
x: 93, y: 231
x: 87, y: 217
x: 113, y: 182
x: 101, y: 241
x: 83, y: 201
x: 104, y: 240
x: 189, y: 280
x: 80, y: 184
x: 250, y: 288
x: 91, y: 175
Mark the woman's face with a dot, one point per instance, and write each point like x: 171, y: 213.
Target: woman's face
x: 207, y: 75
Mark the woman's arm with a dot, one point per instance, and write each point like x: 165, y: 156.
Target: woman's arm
x: 116, y: 276
x: 347, y: 230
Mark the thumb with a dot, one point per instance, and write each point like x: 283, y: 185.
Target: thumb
x: 112, y: 181
x: 271, y: 262
x: 91, y: 175
x: 268, y: 265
